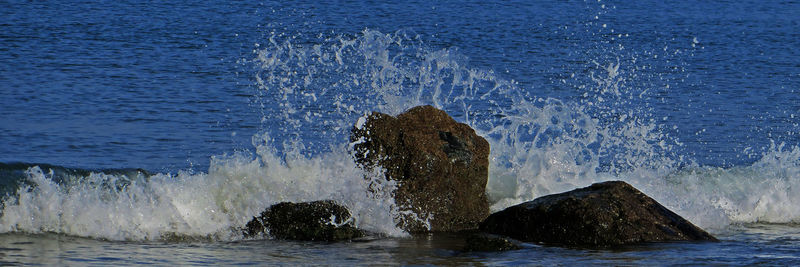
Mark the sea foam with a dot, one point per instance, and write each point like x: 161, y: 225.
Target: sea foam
x: 213, y: 205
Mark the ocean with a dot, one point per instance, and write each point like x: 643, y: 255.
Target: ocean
x: 150, y: 133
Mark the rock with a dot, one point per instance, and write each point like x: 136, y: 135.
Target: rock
x: 441, y: 166
x: 601, y: 215
x: 488, y: 243
x: 313, y: 221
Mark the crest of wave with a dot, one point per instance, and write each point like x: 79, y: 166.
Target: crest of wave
x: 764, y: 192
x: 213, y: 205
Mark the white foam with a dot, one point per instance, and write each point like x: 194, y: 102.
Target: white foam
x: 710, y: 197
x: 214, y: 204
x: 762, y: 192
x: 360, y: 123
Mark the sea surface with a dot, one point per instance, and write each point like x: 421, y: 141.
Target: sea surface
x: 150, y: 133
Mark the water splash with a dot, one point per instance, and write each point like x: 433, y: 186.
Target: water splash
x: 313, y: 90
x: 540, y: 145
x: 213, y: 205
x: 763, y: 192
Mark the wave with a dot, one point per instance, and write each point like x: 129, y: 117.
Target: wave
x: 312, y: 90
x: 212, y: 205
x: 216, y: 204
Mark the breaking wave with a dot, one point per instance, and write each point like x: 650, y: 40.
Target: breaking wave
x: 312, y: 90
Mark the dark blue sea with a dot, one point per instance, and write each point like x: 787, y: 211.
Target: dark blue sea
x: 150, y: 132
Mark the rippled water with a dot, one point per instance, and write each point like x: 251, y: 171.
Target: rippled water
x: 752, y: 245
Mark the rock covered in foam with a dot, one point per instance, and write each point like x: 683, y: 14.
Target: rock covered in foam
x: 313, y: 221
x: 441, y: 167
x: 603, y: 214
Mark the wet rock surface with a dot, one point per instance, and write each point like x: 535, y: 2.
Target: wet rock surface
x: 483, y: 242
x: 603, y: 214
x: 312, y: 221
x: 441, y: 166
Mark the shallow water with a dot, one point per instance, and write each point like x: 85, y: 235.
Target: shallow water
x: 135, y: 123
x: 750, y: 245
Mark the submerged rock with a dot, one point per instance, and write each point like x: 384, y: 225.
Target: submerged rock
x: 488, y: 243
x: 313, y: 221
x: 441, y: 166
x: 603, y: 214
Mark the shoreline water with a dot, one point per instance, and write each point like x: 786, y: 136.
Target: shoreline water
x: 745, y: 245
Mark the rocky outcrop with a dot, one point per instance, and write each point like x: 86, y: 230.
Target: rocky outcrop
x: 441, y: 166
x: 483, y: 242
x: 312, y: 221
x: 601, y: 215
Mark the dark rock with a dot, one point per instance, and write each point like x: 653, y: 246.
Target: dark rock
x: 488, y: 243
x: 441, y: 166
x: 313, y: 221
x: 603, y: 214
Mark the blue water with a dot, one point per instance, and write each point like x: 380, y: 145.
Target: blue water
x: 697, y: 104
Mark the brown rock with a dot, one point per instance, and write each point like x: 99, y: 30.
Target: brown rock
x: 603, y: 214
x: 441, y: 166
